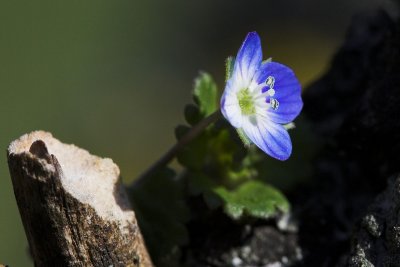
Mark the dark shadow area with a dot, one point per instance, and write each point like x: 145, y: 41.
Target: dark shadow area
x: 352, y: 107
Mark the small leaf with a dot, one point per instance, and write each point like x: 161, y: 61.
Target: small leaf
x: 229, y: 63
x: 193, y: 155
x: 198, y: 183
x: 205, y: 94
x: 254, y: 199
x: 192, y: 114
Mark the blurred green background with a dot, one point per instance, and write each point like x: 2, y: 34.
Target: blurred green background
x: 113, y: 76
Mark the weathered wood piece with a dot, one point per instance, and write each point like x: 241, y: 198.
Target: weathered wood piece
x: 73, y: 206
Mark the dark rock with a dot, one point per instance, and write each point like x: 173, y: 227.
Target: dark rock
x: 376, y: 240
x: 218, y: 241
x: 352, y: 108
x: 328, y: 101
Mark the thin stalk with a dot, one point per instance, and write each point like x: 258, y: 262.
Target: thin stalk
x: 186, y: 139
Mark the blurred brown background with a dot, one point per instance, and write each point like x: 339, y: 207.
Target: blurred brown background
x: 113, y: 76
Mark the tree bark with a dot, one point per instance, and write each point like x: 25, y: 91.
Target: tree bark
x: 73, y: 206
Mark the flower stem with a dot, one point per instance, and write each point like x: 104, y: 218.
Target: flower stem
x: 187, y: 138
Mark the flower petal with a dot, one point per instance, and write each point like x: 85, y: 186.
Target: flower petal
x: 287, y: 91
x: 248, y: 59
x: 270, y: 137
x: 230, y: 109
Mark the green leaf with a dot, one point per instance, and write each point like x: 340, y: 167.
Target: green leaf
x: 205, y: 94
x: 162, y: 214
x: 192, y: 114
x: 254, y: 199
x: 193, y: 155
x: 212, y: 150
x: 198, y: 183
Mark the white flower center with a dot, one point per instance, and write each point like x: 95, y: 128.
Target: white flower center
x: 251, y: 98
x: 246, y: 102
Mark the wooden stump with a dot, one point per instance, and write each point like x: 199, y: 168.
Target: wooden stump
x: 73, y: 206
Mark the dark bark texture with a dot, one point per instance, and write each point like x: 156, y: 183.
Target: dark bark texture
x: 61, y: 230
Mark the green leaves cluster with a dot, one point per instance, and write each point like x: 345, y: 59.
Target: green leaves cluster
x: 217, y: 167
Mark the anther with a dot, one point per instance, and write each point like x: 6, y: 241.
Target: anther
x: 274, y: 103
x: 270, y: 82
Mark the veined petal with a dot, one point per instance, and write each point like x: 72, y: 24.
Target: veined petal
x: 287, y: 91
x: 233, y: 85
x: 248, y: 59
x: 230, y: 109
x: 270, y: 137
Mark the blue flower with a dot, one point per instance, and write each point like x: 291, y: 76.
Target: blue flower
x: 260, y: 98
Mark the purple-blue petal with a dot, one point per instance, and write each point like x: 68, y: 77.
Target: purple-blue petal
x: 270, y: 137
x: 249, y: 57
x: 222, y: 105
x: 287, y: 91
x: 278, y: 142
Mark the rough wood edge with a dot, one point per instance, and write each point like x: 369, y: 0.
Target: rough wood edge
x: 63, y: 230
